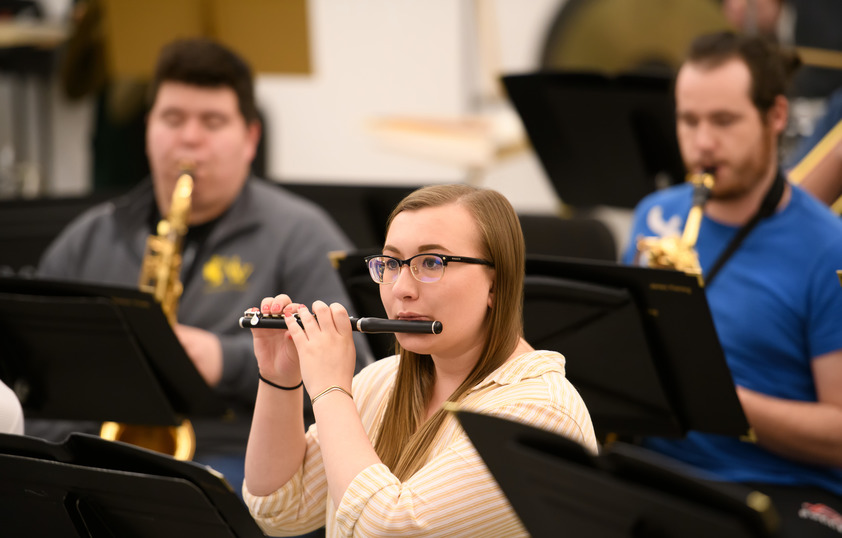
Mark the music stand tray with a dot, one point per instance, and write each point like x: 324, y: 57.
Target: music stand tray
x: 85, y: 352
x: 601, y: 139
x: 557, y: 488
x: 640, y: 345
x: 89, y: 487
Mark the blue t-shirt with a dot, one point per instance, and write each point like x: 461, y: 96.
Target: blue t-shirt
x: 776, y: 304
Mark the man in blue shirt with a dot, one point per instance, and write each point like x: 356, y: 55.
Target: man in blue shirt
x: 768, y: 252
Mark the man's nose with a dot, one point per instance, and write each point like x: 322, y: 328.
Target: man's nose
x: 191, y: 132
x: 705, y: 136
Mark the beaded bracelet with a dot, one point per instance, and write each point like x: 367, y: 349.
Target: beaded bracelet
x: 260, y: 377
x: 329, y: 389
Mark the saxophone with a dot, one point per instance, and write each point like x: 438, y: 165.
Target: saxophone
x: 159, y: 275
x: 679, y: 252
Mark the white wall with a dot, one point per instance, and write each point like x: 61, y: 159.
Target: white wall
x: 369, y: 58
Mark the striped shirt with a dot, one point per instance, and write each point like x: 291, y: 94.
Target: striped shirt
x: 453, y: 494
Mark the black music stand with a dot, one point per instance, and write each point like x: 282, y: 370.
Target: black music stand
x: 557, y: 488
x: 602, y: 140
x: 84, y: 352
x: 640, y: 346
x: 90, y: 487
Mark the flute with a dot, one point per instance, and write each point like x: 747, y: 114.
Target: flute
x: 253, y: 319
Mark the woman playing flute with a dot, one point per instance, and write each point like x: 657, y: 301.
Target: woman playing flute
x: 384, y: 458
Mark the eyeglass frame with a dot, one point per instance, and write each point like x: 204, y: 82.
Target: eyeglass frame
x: 445, y: 258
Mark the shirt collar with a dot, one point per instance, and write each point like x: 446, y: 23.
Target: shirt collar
x: 526, y: 366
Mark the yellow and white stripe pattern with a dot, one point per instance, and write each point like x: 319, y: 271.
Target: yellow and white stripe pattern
x: 453, y: 494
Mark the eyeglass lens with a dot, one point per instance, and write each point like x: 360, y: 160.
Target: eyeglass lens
x: 425, y: 268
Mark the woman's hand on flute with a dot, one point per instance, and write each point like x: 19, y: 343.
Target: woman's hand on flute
x: 277, y: 357
x: 325, y: 346
x: 278, y: 422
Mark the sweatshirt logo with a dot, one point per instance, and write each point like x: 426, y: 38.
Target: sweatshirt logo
x: 224, y: 273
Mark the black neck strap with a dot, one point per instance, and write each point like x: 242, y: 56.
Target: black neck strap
x: 767, y: 208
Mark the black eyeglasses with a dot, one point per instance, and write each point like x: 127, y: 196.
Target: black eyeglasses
x: 424, y: 267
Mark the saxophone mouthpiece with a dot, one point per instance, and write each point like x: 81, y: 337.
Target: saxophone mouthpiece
x: 705, y: 177
x: 186, y: 167
x: 708, y: 177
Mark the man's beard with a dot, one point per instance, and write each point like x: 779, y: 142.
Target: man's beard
x: 748, y: 174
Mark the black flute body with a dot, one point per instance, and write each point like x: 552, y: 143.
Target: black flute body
x: 253, y: 320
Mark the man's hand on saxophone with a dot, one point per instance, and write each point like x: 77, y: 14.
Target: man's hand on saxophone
x: 204, y: 349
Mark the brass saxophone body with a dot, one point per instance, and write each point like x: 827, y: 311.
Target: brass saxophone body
x: 159, y: 275
x: 159, y: 272
x: 679, y: 252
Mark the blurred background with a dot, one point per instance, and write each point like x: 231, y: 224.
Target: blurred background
x: 370, y: 92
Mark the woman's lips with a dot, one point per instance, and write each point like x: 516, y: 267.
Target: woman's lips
x: 411, y: 316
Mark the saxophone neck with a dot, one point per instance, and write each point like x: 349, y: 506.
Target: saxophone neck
x: 702, y: 186
x: 179, y: 214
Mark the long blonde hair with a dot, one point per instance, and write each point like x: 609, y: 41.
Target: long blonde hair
x: 403, y: 442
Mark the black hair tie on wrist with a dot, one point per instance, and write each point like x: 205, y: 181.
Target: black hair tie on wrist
x: 260, y: 377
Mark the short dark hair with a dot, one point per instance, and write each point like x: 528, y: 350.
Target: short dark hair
x: 771, y: 67
x: 206, y: 63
